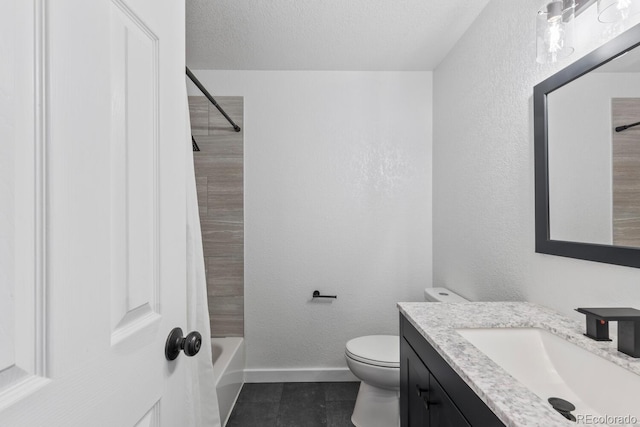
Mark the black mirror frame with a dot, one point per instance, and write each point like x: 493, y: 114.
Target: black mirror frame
x: 618, y: 255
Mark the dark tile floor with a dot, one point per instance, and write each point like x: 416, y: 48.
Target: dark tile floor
x: 295, y: 405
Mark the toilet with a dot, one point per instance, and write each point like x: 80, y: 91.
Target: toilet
x: 442, y: 295
x: 375, y: 360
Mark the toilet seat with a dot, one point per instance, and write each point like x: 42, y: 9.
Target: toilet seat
x: 376, y: 350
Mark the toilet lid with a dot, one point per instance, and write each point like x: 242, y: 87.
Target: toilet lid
x: 379, y: 350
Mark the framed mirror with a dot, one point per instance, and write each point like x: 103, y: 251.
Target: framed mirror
x: 587, y: 156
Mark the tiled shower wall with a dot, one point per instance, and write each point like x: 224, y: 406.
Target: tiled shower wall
x: 219, y: 180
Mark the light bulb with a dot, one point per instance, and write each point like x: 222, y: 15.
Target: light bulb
x: 554, y: 28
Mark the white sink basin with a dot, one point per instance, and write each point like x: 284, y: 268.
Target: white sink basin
x: 550, y: 366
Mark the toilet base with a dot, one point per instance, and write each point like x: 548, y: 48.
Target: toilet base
x: 376, y: 407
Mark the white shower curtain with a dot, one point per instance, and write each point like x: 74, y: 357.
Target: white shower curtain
x: 203, y: 399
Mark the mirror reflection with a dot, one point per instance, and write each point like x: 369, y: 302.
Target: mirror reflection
x: 594, y: 169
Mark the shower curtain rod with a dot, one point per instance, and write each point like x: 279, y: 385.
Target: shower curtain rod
x: 625, y: 127
x: 210, y: 98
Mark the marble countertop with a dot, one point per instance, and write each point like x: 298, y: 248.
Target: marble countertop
x: 512, y: 402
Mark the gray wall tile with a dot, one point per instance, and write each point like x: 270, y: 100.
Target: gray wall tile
x: 199, y: 114
x: 219, y: 167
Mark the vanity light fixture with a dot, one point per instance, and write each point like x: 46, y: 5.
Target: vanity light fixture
x: 616, y: 10
x: 554, y: 31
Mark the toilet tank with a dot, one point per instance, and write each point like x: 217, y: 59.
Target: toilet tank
x: 442, y: 295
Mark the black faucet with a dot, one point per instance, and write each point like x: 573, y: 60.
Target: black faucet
x: 628, y: 327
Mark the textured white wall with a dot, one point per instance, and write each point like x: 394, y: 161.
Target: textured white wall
x: 483, y: 171
x: 337, y: 198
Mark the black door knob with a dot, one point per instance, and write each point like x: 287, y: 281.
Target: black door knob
x: 175, y: 342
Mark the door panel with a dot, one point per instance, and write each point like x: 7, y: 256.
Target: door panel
x: 151, y: 418
x: 134, y: 174
x: 7, y: 209
x: 22, y: 354
x: 92, y: 109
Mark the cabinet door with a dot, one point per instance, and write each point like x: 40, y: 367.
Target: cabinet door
x: 417, y: 356
x: 414, y: 389
x: 442, y: 411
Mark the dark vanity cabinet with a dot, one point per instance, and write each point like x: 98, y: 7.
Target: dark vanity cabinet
x: 428, y: 404
x: 431, y: 393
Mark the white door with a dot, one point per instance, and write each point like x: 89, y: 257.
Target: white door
x: 92, y: 212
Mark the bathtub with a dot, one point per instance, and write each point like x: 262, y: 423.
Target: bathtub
x: 228, y: 370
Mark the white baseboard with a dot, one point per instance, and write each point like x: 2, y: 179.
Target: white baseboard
x: 299, y: 375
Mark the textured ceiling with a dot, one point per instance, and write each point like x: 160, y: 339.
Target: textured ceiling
x: 375, y: 35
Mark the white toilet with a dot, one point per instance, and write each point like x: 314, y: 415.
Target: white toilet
x: 375, y: 360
